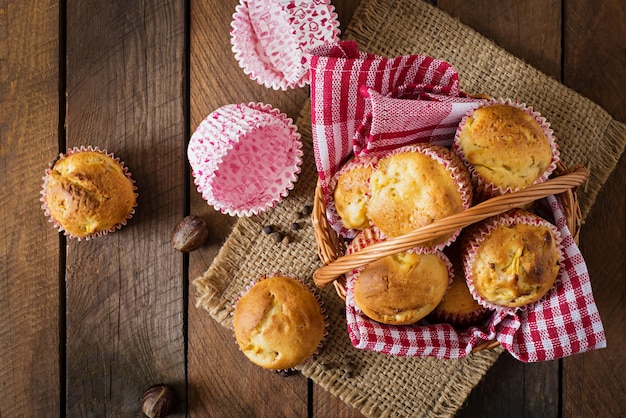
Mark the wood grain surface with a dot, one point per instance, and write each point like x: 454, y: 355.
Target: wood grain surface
x: 86, y: 327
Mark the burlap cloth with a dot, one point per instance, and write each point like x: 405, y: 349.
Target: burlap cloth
x: 383, y: 385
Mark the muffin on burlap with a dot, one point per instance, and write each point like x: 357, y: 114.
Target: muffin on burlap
x: 506, y: 147
x: 351, y: 194
x: 279, y: 323
x: 416, y: 185
x: 511, y: 260
x: 88, y: 192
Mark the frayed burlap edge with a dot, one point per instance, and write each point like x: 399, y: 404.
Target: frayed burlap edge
x: 375, y: 384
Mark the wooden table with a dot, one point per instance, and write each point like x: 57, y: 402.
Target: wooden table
x: 86, y: 327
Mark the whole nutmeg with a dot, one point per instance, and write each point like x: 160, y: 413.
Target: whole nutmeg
x: 190, y: 233
x: 158, y: 401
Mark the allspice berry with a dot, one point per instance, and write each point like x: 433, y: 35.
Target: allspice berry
x: 190, y: 233
x: 158, y: 401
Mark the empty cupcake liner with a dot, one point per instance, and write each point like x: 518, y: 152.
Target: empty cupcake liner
x: 44, y: 185
x: 270, y: 37
x: 486, y: 189
x: 245, y: 158
x: 479, y: 232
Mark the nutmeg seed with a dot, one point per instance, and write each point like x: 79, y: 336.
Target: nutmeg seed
x: 158, y: 401
x: 190, y: 233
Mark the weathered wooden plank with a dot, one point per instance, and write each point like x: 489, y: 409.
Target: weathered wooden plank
x: 594, y: 384
x: 222, y: 382
x: 29, y: 247
x: 529, y: 30
x: 125, y: 308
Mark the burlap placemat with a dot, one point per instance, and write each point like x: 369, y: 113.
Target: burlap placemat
x: 381, y: 385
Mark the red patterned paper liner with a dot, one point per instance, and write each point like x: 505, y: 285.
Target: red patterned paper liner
x: 302, y: 25
x: 487, y: 189
x: 331, y: 210
x: 457, y: 172
x: 44, y: 185
x: 310, y: 288
x: 220, y: 135
x: 482, y: 230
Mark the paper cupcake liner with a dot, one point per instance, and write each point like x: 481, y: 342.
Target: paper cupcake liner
x: 270, y: 38
x: 245, y: 158
x: 312, y: 290
x: 44, y: 185
x: 457, y: 170
x: 374, y: 235
x: 479, y: 232
x: 331, y: 210
x: 486, y: 189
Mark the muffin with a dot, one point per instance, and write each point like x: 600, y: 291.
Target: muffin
x: 511, y: 260
x: 402, y: 288
x: 279, y: 323
x: 415, y: 186
x: 350, y: 195
x: 458, y: 308
x: 506, y: 147
x: 88, y: 192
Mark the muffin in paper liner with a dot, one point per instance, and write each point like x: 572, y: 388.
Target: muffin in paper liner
x: 351, y: 175
x: 409, y: 315
x: 245, y: 158
x: 513, y: 161
x: 458, y: 307
x: 396, y: 208
x: 270, y: 38
x: 87, y: 193
x: 279, y: 322
x: 521, y: 252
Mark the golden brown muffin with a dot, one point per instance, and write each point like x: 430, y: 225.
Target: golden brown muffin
x: 88, y: 192
x: 402, y: 288
x: 410, y: 189
x: 458, y: 307
x: 513, y: 265
x: 504, y: 147
x: 278, y: 323
x: 351, y: 195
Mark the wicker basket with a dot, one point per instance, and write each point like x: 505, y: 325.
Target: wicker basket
x: 331, y: 248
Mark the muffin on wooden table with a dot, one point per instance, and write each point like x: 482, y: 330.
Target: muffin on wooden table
x: 88, y: 192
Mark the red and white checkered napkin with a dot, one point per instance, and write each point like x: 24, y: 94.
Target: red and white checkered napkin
x: 367, y: 104
x: 565, y: 322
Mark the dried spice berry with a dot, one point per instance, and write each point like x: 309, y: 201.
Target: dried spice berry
x: 277, y: 236
x: 295, y: 226
x: 190, y: 234
x: 158, y: 401
x: 307, y: 210
x: 268, y: 229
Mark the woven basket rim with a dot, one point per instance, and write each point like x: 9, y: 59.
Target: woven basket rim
x: 331, y: 248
